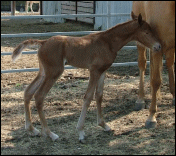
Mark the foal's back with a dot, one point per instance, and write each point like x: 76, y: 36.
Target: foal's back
x: 81, y: 52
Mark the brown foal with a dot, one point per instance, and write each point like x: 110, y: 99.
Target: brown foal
x: 95, y: 52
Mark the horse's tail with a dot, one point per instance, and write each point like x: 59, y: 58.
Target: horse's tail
x: 17, y: 51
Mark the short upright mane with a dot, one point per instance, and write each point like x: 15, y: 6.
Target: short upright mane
x: 122, y: 28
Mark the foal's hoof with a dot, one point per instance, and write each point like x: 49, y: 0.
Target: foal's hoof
x: 139, y: 106
x: 150, y: 124
x: 107, y: 128
x: 81, y: 136
x: 53, y: 136
x: 82, y: 141
x: 34, y: 132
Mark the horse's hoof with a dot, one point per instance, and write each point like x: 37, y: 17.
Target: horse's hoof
x: 150, y: 124
x: 139, y: 106
x: 53, y: 136
x: 173, y: 101
x: 34, y: 132
x: 106, y: 128
x: 81, y: 136
x: 82, y: 141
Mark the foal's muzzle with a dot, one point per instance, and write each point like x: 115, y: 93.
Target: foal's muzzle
x: 156, y: 47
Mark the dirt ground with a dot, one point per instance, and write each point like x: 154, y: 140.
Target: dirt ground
x: 64, y: 102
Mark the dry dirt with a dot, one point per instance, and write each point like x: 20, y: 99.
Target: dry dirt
x: 64, y: 102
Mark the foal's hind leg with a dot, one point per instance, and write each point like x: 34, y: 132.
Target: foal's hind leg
x: 51, y: 75
x: 28, y: 94
x: 99, y: 96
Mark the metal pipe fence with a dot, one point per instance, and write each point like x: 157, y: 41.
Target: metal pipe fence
x: 61, y: 33
x: 65, y: 16
x: 66, y: 67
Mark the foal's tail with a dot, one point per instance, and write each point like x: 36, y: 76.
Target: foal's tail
x: 17, y: 51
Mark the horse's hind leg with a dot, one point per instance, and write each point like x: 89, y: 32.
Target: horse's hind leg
x: 155, y: 80
x: 28, y: 94
x: 170, y: 57
x: 99, y: 96
x: 51, y: 75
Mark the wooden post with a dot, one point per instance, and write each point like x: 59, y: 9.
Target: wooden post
x: 76, y: 5
x: 13, y: 7
x: 108, y: 12
x: 41, y: 8
x: 94, y: 12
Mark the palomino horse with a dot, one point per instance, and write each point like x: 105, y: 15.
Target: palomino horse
x: 95, y: 52
x: 161, y: 17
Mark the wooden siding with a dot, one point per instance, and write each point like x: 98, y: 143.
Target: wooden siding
x: 99, y: 7
x: 68, y: 7
x: 78, y: 7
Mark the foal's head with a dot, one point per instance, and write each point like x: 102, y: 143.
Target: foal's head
x: 145, y: 35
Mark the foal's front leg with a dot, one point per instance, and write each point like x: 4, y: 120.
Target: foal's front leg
x: 94, y: 77
x: 99, y: 96
x: 140, y: 103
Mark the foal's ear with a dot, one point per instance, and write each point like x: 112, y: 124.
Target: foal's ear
x: 140, y: 19
x: 133, y: 16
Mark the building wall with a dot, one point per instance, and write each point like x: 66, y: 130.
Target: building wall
x: 52, y: 8
x: 100, y: 23
x: 116, y: 7
x: 78, y: 7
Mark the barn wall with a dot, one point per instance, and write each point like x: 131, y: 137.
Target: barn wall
x: 68, y: 7
x: 52, y: 8
x: 85, y: 7
x: 79, y: 7
x: 100, y: 23
x: 116, y: 7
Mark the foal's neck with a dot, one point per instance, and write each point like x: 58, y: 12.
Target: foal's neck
x: 120, y: 35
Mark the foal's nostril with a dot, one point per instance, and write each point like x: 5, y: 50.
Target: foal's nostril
x: 157, y: 47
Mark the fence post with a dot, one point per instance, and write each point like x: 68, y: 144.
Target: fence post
x: 41, y: 8
x: 108, y: 12
x: 13, y: 7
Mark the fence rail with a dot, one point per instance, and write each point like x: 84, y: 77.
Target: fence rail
x: 35, y: 52
x: 71, y: 67
x: 48, y: 34
x: 66, y: 67
x: 65, y: 16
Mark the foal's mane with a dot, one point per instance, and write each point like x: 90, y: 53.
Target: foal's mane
x: 123, y: 28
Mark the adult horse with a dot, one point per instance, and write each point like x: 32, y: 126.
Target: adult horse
x: 161, y: 17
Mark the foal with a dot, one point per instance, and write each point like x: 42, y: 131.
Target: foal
x: 95, y: 52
